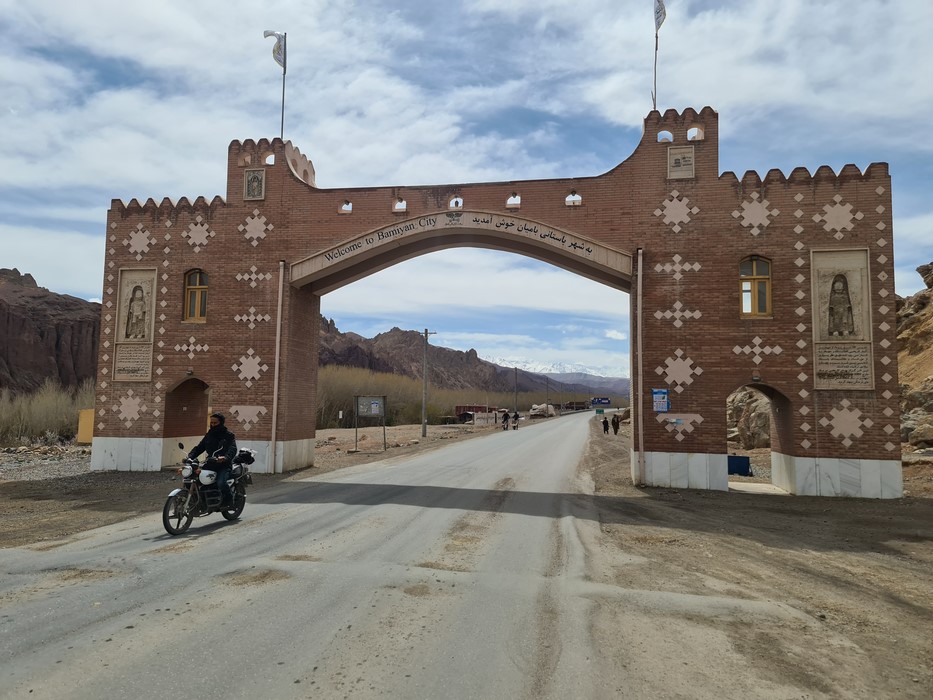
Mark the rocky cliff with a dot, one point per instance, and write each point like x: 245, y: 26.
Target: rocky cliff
x: 44, y: 335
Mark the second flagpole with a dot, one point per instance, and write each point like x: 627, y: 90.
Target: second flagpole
x: 285, y: 53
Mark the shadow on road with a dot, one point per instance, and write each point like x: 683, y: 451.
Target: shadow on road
x: 773, y: 521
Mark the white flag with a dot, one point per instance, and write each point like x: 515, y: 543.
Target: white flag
x: 278, y: 51
x: 659, y: 14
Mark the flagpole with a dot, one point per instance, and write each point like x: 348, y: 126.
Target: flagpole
x: 654, y: 93
x: 660, y: 13
x: 285, y: 62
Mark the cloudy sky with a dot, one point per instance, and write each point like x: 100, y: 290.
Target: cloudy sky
x: 107, y: 99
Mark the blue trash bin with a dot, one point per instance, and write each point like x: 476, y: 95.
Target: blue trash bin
x: 739, y: 465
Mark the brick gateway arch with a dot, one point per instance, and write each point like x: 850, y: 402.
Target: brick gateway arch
x: 781, y: 283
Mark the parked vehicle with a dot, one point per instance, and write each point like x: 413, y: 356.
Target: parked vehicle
x: 200, y: 494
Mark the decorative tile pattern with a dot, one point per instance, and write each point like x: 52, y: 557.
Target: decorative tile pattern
x: 253, y: 317
x: 758, y: 350
x: 846, y: 422
x: 130, y: 408
x: 139, y: 242
x: 248, y: 415
x: 198, y: 234
x: 255, y: 228
x: 681, y: 424
x: 677, y: 313
x: 679, y: 371
x: 677, y: 267
x: 191, y: 347
x: 755, y: 214
x: 676, y: 211
x: 250, y: 367
x: 837, y: 217
x: 253, y: 277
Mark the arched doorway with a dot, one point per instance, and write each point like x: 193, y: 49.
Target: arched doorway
x: 187, y: 406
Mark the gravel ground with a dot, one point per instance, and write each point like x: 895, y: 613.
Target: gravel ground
x: 35, y: 463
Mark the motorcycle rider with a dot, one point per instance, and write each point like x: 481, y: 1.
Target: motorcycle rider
x: 220, y: 445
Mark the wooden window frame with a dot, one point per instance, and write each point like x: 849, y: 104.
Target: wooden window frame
x: 752, y: 292
x: 193, y: 315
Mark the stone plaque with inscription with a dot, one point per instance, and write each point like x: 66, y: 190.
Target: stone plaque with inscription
x: 132, y: 362
x: 843, y: 366
x: 679, y: 162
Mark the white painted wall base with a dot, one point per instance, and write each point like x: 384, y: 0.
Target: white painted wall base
x: 837, y: 476
x: 151, y: 454
x: 683, y: 470
x: 126, y: 454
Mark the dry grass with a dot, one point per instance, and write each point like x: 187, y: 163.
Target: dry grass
x: 338, y: 385
x: 48, y: 415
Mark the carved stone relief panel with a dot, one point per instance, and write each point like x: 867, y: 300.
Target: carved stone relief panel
x: 841, y: 320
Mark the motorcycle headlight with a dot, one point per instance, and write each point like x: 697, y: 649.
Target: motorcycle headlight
x: 186, y: 471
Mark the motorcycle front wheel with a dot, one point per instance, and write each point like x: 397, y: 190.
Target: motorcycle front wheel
x: 239, y: 502
x: 175, y: 516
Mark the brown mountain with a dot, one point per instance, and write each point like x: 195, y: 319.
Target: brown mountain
x: 402, y: 352
x: 44, y: 335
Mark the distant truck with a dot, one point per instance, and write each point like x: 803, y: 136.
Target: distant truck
x: 544, y: 410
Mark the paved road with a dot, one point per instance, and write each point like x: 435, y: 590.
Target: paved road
x: 458, y: 573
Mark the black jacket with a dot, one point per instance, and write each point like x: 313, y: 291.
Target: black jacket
x: 222, y: 440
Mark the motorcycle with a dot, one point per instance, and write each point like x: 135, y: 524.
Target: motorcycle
x: 200, y: 494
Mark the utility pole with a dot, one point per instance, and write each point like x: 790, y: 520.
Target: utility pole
x: 547, y: 400
x: 424, y: 392
x: 515, y: 403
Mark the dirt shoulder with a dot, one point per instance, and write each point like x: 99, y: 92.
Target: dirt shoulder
x: 862, y: 569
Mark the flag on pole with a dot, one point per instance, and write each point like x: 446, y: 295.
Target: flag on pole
x: 278, y: 51
x: 660, y: 14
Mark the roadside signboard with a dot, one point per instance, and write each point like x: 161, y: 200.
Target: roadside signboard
x: 600, y: 401
x: 660, y: 400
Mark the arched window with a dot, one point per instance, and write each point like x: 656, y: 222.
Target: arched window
x: 196, y: 296
x: 755, y: 281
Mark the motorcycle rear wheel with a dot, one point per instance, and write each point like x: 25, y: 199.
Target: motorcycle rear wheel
x: 175, y: 517
x: 239, y: 503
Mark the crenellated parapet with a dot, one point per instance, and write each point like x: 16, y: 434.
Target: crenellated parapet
x: 167, y: 208
x: 252, y: 154
x: 680, y: 127
x: 300, y: 165
x: 801, y: 177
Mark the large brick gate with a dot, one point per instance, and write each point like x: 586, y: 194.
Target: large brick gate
x: 783, y: 283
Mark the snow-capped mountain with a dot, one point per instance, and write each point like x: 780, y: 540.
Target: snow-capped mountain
x: 558, y: 368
